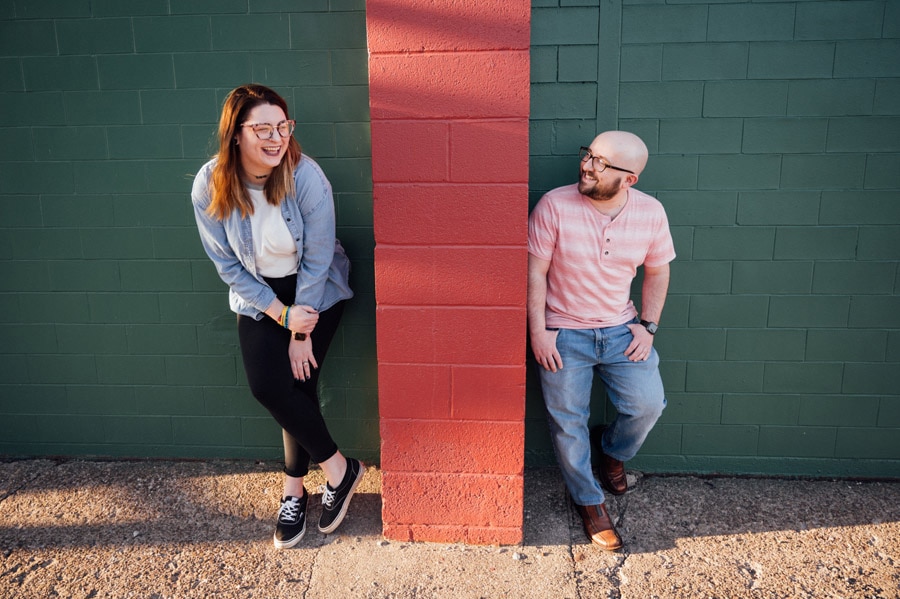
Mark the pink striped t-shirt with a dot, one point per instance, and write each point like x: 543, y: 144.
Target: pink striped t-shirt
x: 593, y: 259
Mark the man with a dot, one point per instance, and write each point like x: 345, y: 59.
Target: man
x: 585, y: 243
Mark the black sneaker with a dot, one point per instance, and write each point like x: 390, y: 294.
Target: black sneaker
x: 291, y: 521
x: 335, y: 501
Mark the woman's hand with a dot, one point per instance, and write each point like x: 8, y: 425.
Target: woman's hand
x: 302, y: 359
x: 302, y: 319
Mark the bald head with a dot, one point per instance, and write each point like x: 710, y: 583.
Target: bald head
x: 621, y: 148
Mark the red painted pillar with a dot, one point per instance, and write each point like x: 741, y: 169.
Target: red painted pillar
x: 449, y: 98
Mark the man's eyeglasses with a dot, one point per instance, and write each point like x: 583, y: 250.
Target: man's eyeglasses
x: 267, y: 130
x: 599, y: 163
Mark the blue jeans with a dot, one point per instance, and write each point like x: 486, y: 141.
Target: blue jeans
x: 634, y: 388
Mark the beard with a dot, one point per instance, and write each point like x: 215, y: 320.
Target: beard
x: 597, y: 191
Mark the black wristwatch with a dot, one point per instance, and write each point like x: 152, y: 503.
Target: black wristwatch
x: 651, y: 327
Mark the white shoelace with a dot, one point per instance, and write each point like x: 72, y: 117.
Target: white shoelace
x: 290, y: 511
x: 327, y: 496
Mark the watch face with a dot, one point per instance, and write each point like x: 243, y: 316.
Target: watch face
x: 650, y: 326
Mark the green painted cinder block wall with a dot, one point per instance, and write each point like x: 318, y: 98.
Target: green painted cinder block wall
x: 116, y: 334
x: 774, y: 133
x: 773, y: 129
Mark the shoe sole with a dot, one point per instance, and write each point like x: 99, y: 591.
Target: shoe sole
x: 340, y: 517
x: 290, y: 542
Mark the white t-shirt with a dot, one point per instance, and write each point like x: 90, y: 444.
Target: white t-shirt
x: 273, y: 245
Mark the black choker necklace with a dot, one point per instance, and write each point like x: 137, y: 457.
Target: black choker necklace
x: 260, y: 176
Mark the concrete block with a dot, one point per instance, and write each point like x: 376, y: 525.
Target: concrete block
x: 422, y: 25
x: 328, y: 30
x: 831, y: 97
x: 489, y: 151
x: 793, y: 312
x: 745, y: 99
x: 100, y: 108
x: 709, y: 276
x: 795, y: 441
x: 882, y: 171
x: 766, y: 345
x: 211, y: 69
x: 417, y: 214
x: 558, y: 27
x: 700, y: 136
x: 489, y: 393
x: 839, y: 171
x: 815, y: 243
x: 71, y: 143
x: 878, y: 243
x: 838, y: 410
x: 286, y: 68
x: 692, y: 408
x: 867, y: 58
x: 887, y: 96
x: 791, y: 60
x: 177, y: 106
x: 785, y: 135
x: 172, y: 34
x: 733, y: 243
x: 94, y: 36
x: 60, y: 73
x: 846, y: 345
x: 641, y: 62
x: 136, y: 71
x: 452, y: 446
x: 778, y: 208
x: 864, y: 134
x: 455, y: 327
x: 666, y: 99
x: 672, y: 172
x: 839, y: 20
x: 875, y: 312
x: 664, y: 24
x: 707, y: 439
x: 750, y: 22
x: 740, y: 171
x: 456, y: 84
x: 697, y: 61
x: 691, y: 344
x: 700, y: 208
x: 772, y: 277
x: 867, y: 443
x: 729, y: 311
x: 854, y: 277
x: 544, y: 64
x: 798, y: 377
x: 479, y: 500
x: 564, y: 100
x: 468, y: 276
x: 578, y: 63
x: 760, y: 409
x: 28, y: 38
x: 410, y: 151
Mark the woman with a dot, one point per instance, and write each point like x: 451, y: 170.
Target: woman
x: 266, y: 219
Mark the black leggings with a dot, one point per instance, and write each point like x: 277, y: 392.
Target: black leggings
x: 293, y: 404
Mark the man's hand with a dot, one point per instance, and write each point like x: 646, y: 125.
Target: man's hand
x: 641, y: 345
x: 543, y: 344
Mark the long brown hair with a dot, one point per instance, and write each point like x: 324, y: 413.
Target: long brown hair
x: 227, y: 187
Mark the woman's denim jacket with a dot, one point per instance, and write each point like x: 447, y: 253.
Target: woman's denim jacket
x: 322, y: 278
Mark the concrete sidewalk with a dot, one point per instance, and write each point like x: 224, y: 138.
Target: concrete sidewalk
x: 203, y: 529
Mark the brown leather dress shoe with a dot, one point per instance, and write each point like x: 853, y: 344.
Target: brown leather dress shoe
x: 599, y: 527
x: 612, y: 471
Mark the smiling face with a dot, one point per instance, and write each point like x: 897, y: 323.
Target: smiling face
x: 260, y: 156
